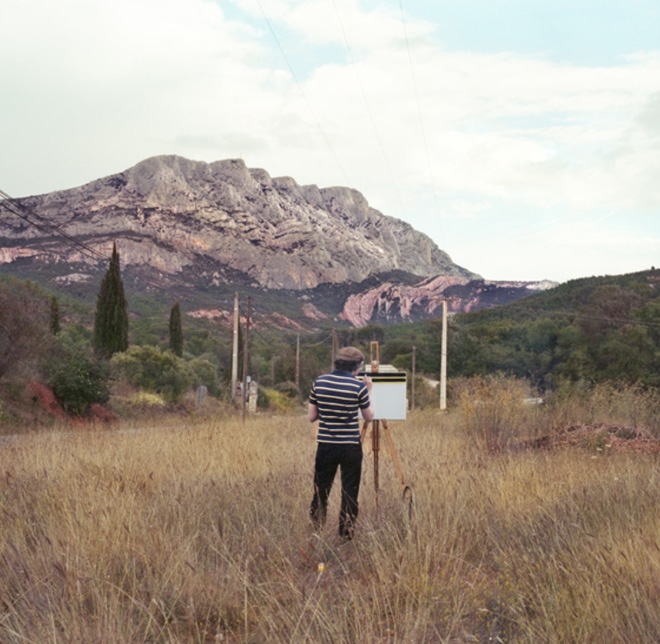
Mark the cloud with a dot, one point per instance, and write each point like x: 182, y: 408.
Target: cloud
x: 376, y: 101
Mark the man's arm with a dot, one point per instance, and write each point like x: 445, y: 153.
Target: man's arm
x: 312, y: 412
x: 368, y: 412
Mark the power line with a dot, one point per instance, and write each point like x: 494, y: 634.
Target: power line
x: 304, y: 96
x: 368, y: 105
x: 23, y: 212
x: 28, y: 215
x: 419, y: 112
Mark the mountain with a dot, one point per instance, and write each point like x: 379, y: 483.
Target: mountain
x: 194, y: 228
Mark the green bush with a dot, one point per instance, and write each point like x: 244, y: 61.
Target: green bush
x: 263, y: 399
x: 150, y: 369
x: 78, y: 381
x: 205, y: 373
x: 288, y: 389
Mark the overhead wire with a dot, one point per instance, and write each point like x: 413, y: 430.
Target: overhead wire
x: 28, y: 215
x: 420, y: 113
x: 23, y: 212
x: 304, y: 96
x: 370, y: 113
x: 255, y: 311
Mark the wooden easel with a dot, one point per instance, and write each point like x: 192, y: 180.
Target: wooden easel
x: 375, y: 440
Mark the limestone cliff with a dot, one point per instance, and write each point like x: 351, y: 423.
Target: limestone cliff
x: 210, y: 223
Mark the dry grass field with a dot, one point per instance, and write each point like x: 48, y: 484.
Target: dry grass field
x: 199, y: 534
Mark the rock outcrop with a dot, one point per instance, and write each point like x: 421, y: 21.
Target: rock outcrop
x: 220, y: 222
x: 390, y: 302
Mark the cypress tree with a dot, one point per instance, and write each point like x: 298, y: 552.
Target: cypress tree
x: 111, y: 320
x: 176, y: 334
x: 54, y: 315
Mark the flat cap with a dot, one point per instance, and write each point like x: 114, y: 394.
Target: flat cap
x: 350, y: 354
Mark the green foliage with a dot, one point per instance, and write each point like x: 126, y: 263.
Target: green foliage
x: 176, y: 332
x: 263, y: 398
x: 149, y: 368
x: 288, y: 389
x: 596, y: 330
x: 111, y: 320
x: 205, y: 373
x: 54, y: 315
x: 24, y: 337
x: 276, y: 401
x: 78, y: 381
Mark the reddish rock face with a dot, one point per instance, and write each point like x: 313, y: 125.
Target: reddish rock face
x: 399, y: 302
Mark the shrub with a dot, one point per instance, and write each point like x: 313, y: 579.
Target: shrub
x: 78, y: 381
x: 583, y: 403
x: 149, y: 368
x: 263, y: 398
x: 205, y: 373
x: 277, y: 401
x: 289, y: 389
x: 492, y: 410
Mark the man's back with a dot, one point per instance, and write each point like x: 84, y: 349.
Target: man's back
x: 338, y: 396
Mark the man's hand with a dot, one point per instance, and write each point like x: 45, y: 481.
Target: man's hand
x: 367, y: 381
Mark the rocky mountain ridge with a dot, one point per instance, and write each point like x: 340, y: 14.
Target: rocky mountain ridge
x: 219, y: 220
x: 187, y: 228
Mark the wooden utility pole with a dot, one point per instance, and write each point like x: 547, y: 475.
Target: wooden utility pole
x: 234, y: 353
x: 334, y: 349
x: 246, y: 361
x: 298, y: 361
x: 443, y: 359
x: 412, y: 394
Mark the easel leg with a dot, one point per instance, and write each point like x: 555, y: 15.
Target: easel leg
x: 375, y: 446
x: 407, y: 492
x: 395, y: 458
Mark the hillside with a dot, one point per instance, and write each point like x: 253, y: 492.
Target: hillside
x: 588, y: 330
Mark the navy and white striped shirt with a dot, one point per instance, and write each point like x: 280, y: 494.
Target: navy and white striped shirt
x: 337, y: 396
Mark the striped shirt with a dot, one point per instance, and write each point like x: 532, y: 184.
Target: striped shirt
x: 337, y: 396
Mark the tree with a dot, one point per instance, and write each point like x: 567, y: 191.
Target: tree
x: 148, y: 368
x: 54, y: 315
x: 78, y: 381
x: 111, y: 320
x: 176, y: 334
x: 23, y: 326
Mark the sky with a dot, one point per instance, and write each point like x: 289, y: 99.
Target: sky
x: 522, y: 136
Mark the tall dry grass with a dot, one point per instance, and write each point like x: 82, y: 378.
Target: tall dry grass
x: 199, y: 534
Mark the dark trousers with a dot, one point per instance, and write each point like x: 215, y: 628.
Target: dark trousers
x: 329, y: 457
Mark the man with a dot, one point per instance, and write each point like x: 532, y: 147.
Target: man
x: 334, y: 401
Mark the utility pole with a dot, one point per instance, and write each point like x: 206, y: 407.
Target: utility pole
x: 334, y: 348
x: 298, y: 362
x: 412, y: 395
x: 443, y: 359
x: 234, y: 353
x: 246, y: 361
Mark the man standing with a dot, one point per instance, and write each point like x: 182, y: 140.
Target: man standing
x: 334, y: 401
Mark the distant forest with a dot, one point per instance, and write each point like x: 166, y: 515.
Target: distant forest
x: 585, y: 331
